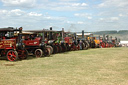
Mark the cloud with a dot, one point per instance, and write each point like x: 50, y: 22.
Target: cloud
x: 19, y: 3
x: 18, y: 12
x: 114, y: 3
x: 60, y: 5
x: 67, y: 0
x: 63, y: 6
x: 114, y: 18
x: 34, y: 14
x: 80, y: 22
x: 84, y: 15
x: 110, y: 19
x: 3, y: 11
x: 29, y: 20
x: 15, y: 12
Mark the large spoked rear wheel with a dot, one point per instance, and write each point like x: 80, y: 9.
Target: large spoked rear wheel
x: 64, y: 48
x: 78, y: 47
x: 59, y: 49
x: 87, y: 43
x: 74, y: 47
x: 38, y: 53
x: 55, y: 49
x: 47, y: 52
x: 85, y: 46
x: 23, y: 54
x: 12, y: 55
x: 68, y: 48
x: 51, y: 49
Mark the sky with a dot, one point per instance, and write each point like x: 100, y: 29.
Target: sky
x: 72, y: 15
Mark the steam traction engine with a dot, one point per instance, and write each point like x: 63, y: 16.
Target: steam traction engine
x: 71, y: 41
x: 97, y: 42
x: 83, y: 42
x: 91, y: 40
x: 56, y: 41
x: 35, y: 43
x: 11, y: 44
x: 103, y: 42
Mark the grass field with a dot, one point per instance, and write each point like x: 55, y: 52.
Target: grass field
x: 104, y: 66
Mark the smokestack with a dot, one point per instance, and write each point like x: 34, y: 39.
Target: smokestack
x: 107, y: 37
x: 50, y: 34
x: 103, y: 37
x: 82, y: 33
x: 43, y: 39
x: 115, y: 39
x: 75, y: 36
x: 119, y: 40
x: 63, y: 34
x: 99, y: 37
x: 110, y: 38
x: 75, y: 40
x: 20, y: 35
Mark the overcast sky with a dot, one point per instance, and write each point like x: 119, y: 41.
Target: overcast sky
x: 73, y: 15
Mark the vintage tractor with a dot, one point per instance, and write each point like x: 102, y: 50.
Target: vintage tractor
x: 91, y: 40
x: 34, y: 41
x: 62, y: 42
x: 71, y: 41
x: 83, y: 42
x: 97, y: 42
x: 103, y: 41
x: 56, y: 41
x: 110, y: 42
x: 116, y: 42
x: 107, y: 41
x: 11, y: 44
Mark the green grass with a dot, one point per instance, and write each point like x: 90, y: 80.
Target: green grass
x: 103, y: 66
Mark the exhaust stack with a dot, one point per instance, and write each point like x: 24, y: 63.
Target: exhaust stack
x: 62, y: 34
x: 82, y: 33
x: 50, y: 34
x: 104, y: 37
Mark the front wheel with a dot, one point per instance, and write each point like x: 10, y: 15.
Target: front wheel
x: 38, y: 53
x: 12, y: 55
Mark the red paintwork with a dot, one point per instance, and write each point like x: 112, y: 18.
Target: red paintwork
x: 107, y: 45
x: 11, y: 56
x: 8, y: 44
x: 35, y: 42
x: 31, y: 42
x: 68, y: 40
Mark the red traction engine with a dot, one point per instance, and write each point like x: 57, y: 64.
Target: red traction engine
x: 107, y: 41
x: 103, y: 42
x: 71, y: 42
x: 111, y: 43
x: 35, y: 43
x: 11, y: 44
